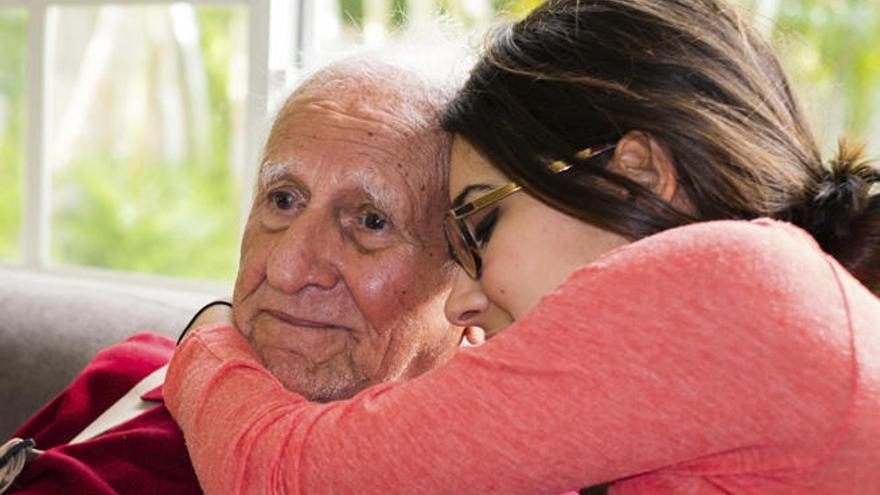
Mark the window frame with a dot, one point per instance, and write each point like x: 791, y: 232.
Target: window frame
x: 265, y: 77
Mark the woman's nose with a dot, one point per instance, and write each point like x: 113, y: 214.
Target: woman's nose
x: 466, y: 303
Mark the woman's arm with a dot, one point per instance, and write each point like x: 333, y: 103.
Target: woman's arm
x: 694, y: 343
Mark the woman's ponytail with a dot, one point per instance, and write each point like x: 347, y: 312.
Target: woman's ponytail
x: 842, y: 212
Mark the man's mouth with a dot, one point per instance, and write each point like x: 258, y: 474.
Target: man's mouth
x: 301, y: 322
x: 277, y: 335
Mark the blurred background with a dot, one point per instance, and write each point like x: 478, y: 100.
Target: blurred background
x: 127, y: 129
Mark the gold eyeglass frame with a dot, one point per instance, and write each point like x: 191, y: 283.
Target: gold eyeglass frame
x: 455, y: 216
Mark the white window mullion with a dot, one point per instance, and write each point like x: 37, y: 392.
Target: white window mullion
x: 289, y: 25
x: 258, y: 91
x: 35, y: 232
x: 305, y: 32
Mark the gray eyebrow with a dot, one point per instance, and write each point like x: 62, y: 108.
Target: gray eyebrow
x: 378, y: 194
x: 272, y: 171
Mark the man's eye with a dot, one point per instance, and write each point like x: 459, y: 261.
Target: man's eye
x: 282, y: 200
x: 281, y: 205
x: 373, y: 221
x: 370, y: 230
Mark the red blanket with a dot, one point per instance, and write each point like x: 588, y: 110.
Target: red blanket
x: 145, y: 455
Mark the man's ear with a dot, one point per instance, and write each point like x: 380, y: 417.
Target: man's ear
x: 643, y: 159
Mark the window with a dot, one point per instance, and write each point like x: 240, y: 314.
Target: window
x: 145, y: 119
x: 130, y: 130
x: 349, y: 22
x: 13, y: 100
x: 133, y: 157
x: 145, y: 109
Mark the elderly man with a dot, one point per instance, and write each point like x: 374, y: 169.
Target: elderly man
x: 342, y: 278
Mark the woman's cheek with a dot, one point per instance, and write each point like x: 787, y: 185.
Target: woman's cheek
x: 495, y: 284
x: 509, y: 274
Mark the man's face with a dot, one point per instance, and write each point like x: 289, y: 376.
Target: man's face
x: 343, y: 268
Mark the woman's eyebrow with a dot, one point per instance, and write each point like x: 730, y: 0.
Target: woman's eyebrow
x: 459, y: 200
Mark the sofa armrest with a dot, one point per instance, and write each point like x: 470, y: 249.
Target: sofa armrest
x: 51, y: 326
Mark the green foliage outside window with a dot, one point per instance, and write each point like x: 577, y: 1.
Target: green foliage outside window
x: 13, y: 39
x: 832, y: 49
x: 395, y: 12
x: 135, y: 213
x: 151, y: 219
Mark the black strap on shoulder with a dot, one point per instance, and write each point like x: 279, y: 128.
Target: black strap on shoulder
x: 198, y: 313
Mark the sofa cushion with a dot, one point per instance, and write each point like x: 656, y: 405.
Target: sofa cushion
x: 51, y: 326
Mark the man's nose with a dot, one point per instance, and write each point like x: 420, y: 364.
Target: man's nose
x: 467, y: 302
x: 305, y: 254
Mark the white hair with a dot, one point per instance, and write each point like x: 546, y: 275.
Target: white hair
x: 438, y: 55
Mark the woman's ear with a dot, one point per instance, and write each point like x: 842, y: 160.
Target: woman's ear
x: 474, y: 335
x: 643, y: 159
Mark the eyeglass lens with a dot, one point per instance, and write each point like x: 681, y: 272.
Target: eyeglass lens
x: 461, y: 245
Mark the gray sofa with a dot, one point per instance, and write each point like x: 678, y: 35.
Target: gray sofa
x: 51, y: 326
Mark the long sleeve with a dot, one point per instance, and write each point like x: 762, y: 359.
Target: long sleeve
x: 717, y: 349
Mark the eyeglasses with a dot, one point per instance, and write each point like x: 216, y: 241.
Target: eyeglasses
x: 460, y: 235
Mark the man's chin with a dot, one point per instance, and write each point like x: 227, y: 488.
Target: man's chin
x: 322, y: 385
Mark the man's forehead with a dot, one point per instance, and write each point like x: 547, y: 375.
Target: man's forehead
x: 352, y: 126
x: 361, y: 107
x: 385, y: 154
x: 375, y: 87
x: 329, y: 109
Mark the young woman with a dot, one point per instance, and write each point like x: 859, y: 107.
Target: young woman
x: 615, y: 172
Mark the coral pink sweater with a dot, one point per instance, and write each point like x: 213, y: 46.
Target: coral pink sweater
x: 723, y: 357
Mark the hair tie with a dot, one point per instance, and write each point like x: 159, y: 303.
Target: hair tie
x: 840, y: 196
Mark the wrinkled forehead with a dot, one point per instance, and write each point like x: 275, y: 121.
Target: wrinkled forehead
x: 376, y: 106
x: 395, y: 155
x: 365, y: 125
x: 355, y: 135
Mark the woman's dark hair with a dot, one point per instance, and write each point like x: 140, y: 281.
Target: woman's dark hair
x: 696, y: 77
